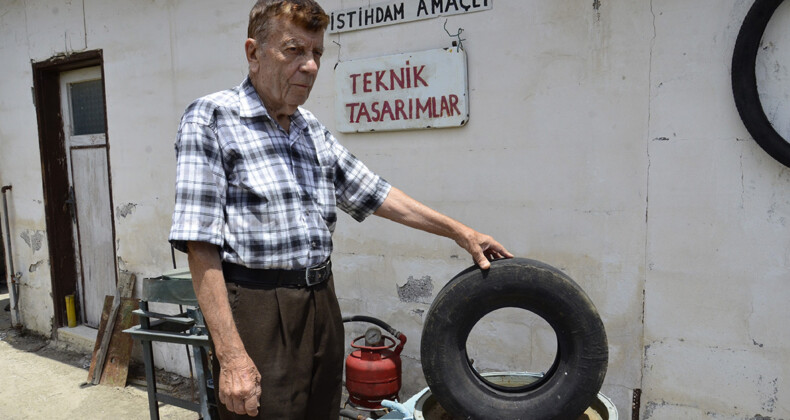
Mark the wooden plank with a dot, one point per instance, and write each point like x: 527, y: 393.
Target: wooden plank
x: 126, y: 284
x: 125, y: 289
x: 116, y: 367
x: 105, y: 315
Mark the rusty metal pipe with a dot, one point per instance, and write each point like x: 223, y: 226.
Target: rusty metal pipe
x: 13, y: 289
x: 350, y: 414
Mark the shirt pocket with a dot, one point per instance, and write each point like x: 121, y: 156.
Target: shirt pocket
x: 325, y: 193
x: 251, y: 186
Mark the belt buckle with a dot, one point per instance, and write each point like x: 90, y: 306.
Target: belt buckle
x: 317, y: 275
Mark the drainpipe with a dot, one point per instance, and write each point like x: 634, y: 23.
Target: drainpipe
x: 13, y: 289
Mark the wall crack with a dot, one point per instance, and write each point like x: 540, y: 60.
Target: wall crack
x: 647, y: 264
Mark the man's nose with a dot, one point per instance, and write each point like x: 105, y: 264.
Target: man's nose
x: 310, y: 64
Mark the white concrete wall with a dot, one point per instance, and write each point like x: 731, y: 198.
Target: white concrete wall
x: 718, y: 249
x: 603, y: 140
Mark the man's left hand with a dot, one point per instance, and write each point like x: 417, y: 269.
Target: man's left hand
x: 482, y: 247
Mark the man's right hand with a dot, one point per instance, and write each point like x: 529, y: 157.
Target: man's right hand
x: 239, y: 380
x: 240, y: 386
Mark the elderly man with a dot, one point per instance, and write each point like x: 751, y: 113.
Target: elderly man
x: 258, y: 183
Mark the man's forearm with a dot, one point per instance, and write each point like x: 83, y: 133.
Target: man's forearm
x: 403, y: 209
x: 239, y: 380
x: 212, y: 294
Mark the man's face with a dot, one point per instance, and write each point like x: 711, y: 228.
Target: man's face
x: 284, y: 67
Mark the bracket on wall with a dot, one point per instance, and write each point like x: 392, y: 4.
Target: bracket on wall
x: 338, y: 53
x: 460, y: 42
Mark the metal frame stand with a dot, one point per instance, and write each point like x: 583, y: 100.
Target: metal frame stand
x: 185, y: 328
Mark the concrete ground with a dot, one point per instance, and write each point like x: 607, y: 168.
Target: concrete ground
x: 43, y: 379
x: 46, y: 379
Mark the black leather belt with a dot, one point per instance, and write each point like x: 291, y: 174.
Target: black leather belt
x: 258, y: 278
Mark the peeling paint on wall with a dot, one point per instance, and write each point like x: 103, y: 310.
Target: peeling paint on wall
x: 35, y: 266
x: 121, y: 261
x: 769, y: 392
x: 125, y: 209
x: 597, y: 10
x: 416, y: 290
x: 651, y: 406
x: 33, y: 238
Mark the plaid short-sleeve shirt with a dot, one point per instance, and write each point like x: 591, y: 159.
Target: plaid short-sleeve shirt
x: 267, y: 198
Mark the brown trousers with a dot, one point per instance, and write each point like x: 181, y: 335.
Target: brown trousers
x: 295, y: 338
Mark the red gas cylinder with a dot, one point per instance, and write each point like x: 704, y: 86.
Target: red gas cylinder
x: 373, y: 372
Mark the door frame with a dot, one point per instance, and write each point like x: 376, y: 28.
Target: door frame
x: 55, y: 175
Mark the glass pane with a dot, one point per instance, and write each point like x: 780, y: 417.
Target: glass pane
x: 87, y: 108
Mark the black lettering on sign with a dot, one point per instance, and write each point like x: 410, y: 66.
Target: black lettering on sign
x: 395, y: 12
x: 438, y: 7
x: 421, y: 8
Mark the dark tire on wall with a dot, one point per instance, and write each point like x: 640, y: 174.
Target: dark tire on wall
x: 744, y: 81
x: 564, y: 392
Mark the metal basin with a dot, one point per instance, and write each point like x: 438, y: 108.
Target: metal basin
x: 425, y: 407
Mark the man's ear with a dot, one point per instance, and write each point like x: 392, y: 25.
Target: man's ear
x: 252, y: 51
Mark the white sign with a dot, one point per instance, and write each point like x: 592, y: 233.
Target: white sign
x: 400, y: 11
x: 425, y: 89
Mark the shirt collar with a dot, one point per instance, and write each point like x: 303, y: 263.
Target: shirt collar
x: 251, y: 105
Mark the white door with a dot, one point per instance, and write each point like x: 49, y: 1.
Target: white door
x: 82, y: 105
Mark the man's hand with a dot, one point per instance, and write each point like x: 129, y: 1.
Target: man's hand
x: 403, y: 209
x: 482, y: 247
x: 240, y: 386
x: 239, y: 380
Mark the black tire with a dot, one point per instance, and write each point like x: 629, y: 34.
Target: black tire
x: 744, y: 81
x: 564, y: 392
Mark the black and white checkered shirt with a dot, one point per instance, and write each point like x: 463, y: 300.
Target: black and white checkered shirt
x: 267, y: 198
